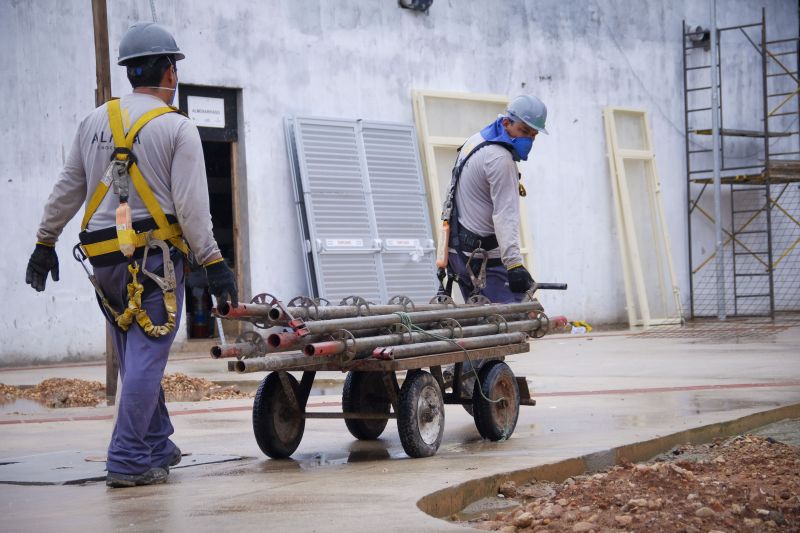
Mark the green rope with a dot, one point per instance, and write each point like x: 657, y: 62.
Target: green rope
x: 406, y: 321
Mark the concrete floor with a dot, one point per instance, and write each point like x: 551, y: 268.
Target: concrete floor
x: 594, y: 393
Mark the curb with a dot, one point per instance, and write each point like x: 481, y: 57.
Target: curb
x: 445, y: 502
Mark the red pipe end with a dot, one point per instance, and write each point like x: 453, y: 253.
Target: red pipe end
x: 324, y: 349
x: 216, y: 352
x: 384, y: 354
x: 283, y: 340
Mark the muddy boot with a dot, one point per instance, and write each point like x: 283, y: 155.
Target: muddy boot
x: 154, y: 476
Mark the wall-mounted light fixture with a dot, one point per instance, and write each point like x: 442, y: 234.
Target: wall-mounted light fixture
x: 700, y: 37
x: 416, y: 5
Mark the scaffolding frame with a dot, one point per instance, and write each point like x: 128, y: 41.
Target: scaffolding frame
x: 750, y: 236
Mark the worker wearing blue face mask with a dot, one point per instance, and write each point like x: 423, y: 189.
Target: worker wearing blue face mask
x: 482, y: 209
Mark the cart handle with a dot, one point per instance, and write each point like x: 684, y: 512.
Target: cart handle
x: 549, y: 286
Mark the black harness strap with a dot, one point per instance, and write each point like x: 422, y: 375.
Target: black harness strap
x: 462, y: 239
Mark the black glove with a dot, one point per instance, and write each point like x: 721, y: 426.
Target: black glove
x: 519, y: 279
x: 222, y: 283
x: 43, y: 261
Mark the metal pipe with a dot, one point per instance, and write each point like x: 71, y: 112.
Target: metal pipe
x: 276, y: 362
x: 364, y: 346
x: 289, y: 340
x: 418, y: 317
x: 327, y: 348
x: 285, y: 341
x: 278, y: 315
x: 429, y: 348
x: 715, y: 139
x: 243, y: 310
x: 239, y: 349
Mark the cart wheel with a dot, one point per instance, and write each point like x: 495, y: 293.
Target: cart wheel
x: 277, y: 426
x: 420, y: 419
x: 496, y: 420
x: 364, y: 392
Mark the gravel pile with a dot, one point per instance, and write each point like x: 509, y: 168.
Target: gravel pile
x: 58, y: 392
x: 61, y: 392
x: 180, y: 387
x: 745, y: 483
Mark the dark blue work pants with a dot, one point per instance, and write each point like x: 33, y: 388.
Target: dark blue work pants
x: 496, y: 281
x: 141, y: 434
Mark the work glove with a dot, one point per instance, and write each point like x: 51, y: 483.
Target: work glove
x: 43, y: 261
x: 519, y: 279
x: 222, y: 283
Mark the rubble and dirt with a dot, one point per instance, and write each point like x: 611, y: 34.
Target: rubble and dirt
x: 58, y: 392
x: 61, y: 392
x: 744, y: 483
x: 180, y: 387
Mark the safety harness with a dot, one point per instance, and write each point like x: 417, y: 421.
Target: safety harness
x: 465, y: 241
x: 103, y: 247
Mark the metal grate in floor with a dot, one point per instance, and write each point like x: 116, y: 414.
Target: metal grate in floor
x: 735, y: 329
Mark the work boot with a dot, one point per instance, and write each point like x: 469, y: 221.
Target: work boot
x: 174, y: 459
x: 154, y: 476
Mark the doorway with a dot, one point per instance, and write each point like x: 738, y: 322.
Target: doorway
x: 214, y: 111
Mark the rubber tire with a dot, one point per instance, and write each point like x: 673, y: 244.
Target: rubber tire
x: 364, y: 392
x: 420, y: 387
x: 277, y: 427
x: 496, y: 421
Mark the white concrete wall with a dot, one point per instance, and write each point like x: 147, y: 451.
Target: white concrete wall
x: 356, y: 58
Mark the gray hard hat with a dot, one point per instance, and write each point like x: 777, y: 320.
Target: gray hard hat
x: 145, y: 39
x: 529, y: 110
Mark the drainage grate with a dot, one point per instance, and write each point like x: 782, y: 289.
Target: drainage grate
x: 735, y: 330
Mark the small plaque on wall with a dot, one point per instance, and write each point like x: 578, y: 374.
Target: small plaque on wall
x: 206, y: 112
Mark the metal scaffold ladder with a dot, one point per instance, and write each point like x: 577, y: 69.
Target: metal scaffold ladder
x: 756, y: 254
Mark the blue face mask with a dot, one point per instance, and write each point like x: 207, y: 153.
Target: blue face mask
x: 520, y: 146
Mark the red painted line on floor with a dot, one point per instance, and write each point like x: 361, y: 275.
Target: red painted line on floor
x: 211, y: 410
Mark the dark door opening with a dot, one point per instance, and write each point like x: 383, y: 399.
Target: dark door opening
x: 217, y: 155
x: 214, y: 111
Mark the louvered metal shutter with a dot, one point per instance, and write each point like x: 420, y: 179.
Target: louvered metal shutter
x: 361, y: 201
x: 401, y: 210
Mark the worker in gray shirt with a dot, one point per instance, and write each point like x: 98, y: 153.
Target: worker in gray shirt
x: 137, y: 164
x: 482, y: 208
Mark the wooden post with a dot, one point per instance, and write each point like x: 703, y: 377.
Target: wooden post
x: 102, y: 94
x: 112, y: 368
x: 102, y: 66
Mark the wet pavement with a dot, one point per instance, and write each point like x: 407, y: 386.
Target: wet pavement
x: 594, y: 393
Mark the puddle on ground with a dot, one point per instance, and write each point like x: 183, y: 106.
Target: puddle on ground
x: 484, y: 505
x: 322, y: 387
x: 21, y: 406
x: 317, y: 460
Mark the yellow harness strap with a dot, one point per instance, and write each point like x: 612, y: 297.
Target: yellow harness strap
x: 166, y: 231
x: 134, y: 309
x: 171, y: 232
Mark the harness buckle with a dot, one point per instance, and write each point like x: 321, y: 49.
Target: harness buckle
x: 478, y: 278
x: 168, y: 282
x: 127, y: 154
